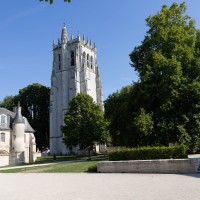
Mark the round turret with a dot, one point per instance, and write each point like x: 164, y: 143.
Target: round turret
x: 19, y: 131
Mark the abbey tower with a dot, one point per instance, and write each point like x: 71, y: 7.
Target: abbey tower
x: 74, y: 71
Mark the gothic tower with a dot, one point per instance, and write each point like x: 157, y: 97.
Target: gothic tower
x: 74, y: 71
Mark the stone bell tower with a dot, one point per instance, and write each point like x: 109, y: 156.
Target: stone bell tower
x: 74, y: 71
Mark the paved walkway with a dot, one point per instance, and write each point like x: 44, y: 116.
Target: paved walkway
x: 83, y: 186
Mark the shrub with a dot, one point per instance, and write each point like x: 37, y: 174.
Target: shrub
x: 149, y: 153
x: 92, y: 168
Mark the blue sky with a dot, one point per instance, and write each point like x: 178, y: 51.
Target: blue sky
x: 28, y: 28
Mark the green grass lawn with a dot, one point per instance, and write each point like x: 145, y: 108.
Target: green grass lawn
x: 73, y: 166
x: 49, y: 159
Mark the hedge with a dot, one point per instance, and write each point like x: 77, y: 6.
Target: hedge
x: 149, y: 153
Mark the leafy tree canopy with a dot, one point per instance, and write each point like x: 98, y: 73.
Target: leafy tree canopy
x: 34, y: 100
x: 84, y: 123
x: 118, y: 111
x: 168, y: 64
x: 165, y: 102
x: 8, y: 102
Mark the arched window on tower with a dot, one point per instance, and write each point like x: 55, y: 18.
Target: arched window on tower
x: 59, y: 61
x: 91, y: 62
x: 72, y: 58
x: 83, y: 59
x: 88, y: 60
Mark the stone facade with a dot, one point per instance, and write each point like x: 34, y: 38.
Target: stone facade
x: 74, y: 71
x: 162, y: 166
x: 17, y: 140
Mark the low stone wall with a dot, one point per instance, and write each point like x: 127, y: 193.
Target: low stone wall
x: 164, y: 166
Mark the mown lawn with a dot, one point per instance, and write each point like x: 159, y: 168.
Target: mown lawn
x: 74, y: 165
x: 50, y: 159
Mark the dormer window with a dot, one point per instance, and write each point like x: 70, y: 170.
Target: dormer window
x: 3, y: 119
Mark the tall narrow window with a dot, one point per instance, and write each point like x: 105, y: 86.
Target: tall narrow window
x: 88, y: 60
x: 3, y: 135
x: 72, y: 58
x: 83, y: 59
x: 59, y: 61
x: 24, y: 138
x: 91, y: 62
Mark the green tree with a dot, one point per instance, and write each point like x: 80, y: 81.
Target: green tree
x: 142, y: 127
x: 52, y: 1
x: 34, y: 100
x: 168, y: 65
x: 8, y: 103
x: 118, y: 111
x: 84, y: 123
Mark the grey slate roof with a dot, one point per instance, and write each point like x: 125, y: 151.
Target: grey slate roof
x: 18, y: 116
x: 28, y: 127
x: 7, y: 112
x: 11, y: 114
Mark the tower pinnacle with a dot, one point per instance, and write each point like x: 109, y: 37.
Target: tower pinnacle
x: 64, y: 36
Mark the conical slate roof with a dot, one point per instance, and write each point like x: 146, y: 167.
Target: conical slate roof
x: 15, y: 118
x: 18, y: 117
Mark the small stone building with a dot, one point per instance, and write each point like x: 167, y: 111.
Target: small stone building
x: 17, y: 140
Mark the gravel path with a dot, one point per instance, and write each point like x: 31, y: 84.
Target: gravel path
x: 83, y: 186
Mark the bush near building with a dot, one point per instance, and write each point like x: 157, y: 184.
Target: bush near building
x: 149, y: 153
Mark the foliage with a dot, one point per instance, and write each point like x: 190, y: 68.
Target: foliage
x: 8, y: 103
x: 84, y: 123
x: 149, y: 153
x: 164, y: 105
x: 34, y: 100
x: 118, y: 110
x: 52, y: 1
x: 92, y: 168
